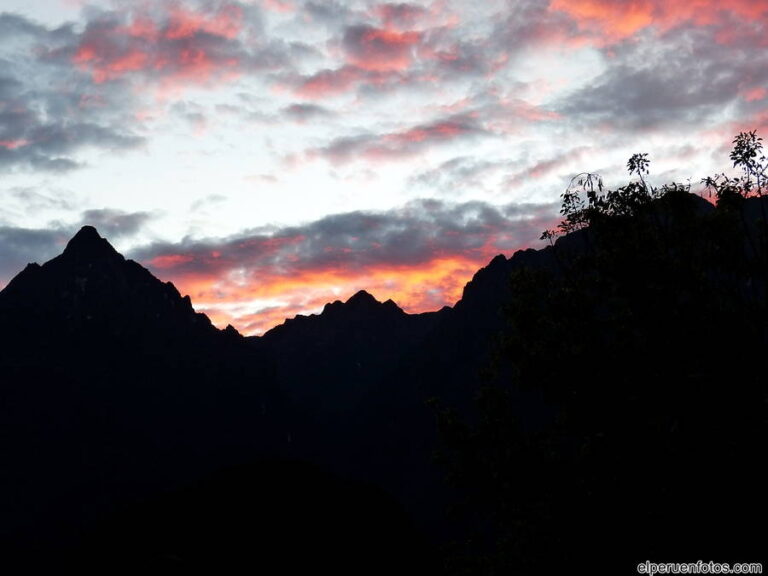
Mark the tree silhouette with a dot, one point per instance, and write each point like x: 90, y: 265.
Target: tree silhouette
x: 748, y: 154
x: 644, y: 350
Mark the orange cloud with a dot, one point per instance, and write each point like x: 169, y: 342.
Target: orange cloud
x: 253, y: 305
x: 617, y: 19
x: 614, y: 20
x: 170, y: 260
x: 420, y: 255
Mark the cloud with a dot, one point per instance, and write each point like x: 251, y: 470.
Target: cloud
x: 330, y: 13
x: 685, y: 80
x: 326, y: 83
x: 553, y: 165
x: 400, y: 144
x: 306, y: 112
x: 485, y: 98
x: 99, y: 83
x: 113, y: 223
x: 83, y: 85
x: 46, y: 145
x: 379, y: 49
x: 285, y: 6
x: 47, y: 116
x: 621, y: 19
x: 21, y: 246
x: 172, y: 43
x: 421, y: 255
x: 462, y: 174
x: 486, y: 115
x: 401, y: 15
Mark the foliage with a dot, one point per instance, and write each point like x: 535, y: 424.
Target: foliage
x: 642, y: 351
x: 748, y: 154
x: 585, y: 200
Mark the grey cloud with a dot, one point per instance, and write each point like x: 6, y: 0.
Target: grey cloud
x: 66, y: 89
x: 544, y: 167
x: 305, y: 112
x: 21, y: 246
x: 46, y: 113
x: 686, y: 79
x: 172, y: 53
x: 403, y: 15
x: 461, y: 174
x: 116, y: 223
x: 363, y: 42
x: 329, y: 12
x: 13, y: 25
x: 206, y: 201
x: 33, y: 199
x: 417, y: 233
x: 191, y: 113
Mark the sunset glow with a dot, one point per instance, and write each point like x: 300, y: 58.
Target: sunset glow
x: 271, y: 156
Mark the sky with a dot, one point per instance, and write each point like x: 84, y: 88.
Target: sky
x: 271, y: 156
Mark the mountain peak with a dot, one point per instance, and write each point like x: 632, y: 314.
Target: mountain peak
x: 87, y: 244
x: 362, y: 298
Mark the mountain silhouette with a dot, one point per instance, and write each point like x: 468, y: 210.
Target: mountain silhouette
x: 110, y: 370
x: 134, y: 432
x: 92, y: 290
x: 119, y: 399
x: 350, y: 343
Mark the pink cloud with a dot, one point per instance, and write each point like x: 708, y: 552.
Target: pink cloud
x: 330, y: 82
x: 755, y: 94
x: 547, y: 167
x: 380, y: 49
x: 399, y: 145
x: 227, y: 22
x: 407, y: 16
x: 439, y: 131
x: 178, y: 46
x: 13, y: 144
x: 284, y: 6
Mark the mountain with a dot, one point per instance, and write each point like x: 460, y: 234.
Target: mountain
x: 555, y: 374
x: 343, y: 352
x: 569, y: 398
x: 110, y: 371
x: 121, y: 404
x: 339, y: 369
x: 629, y: 357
